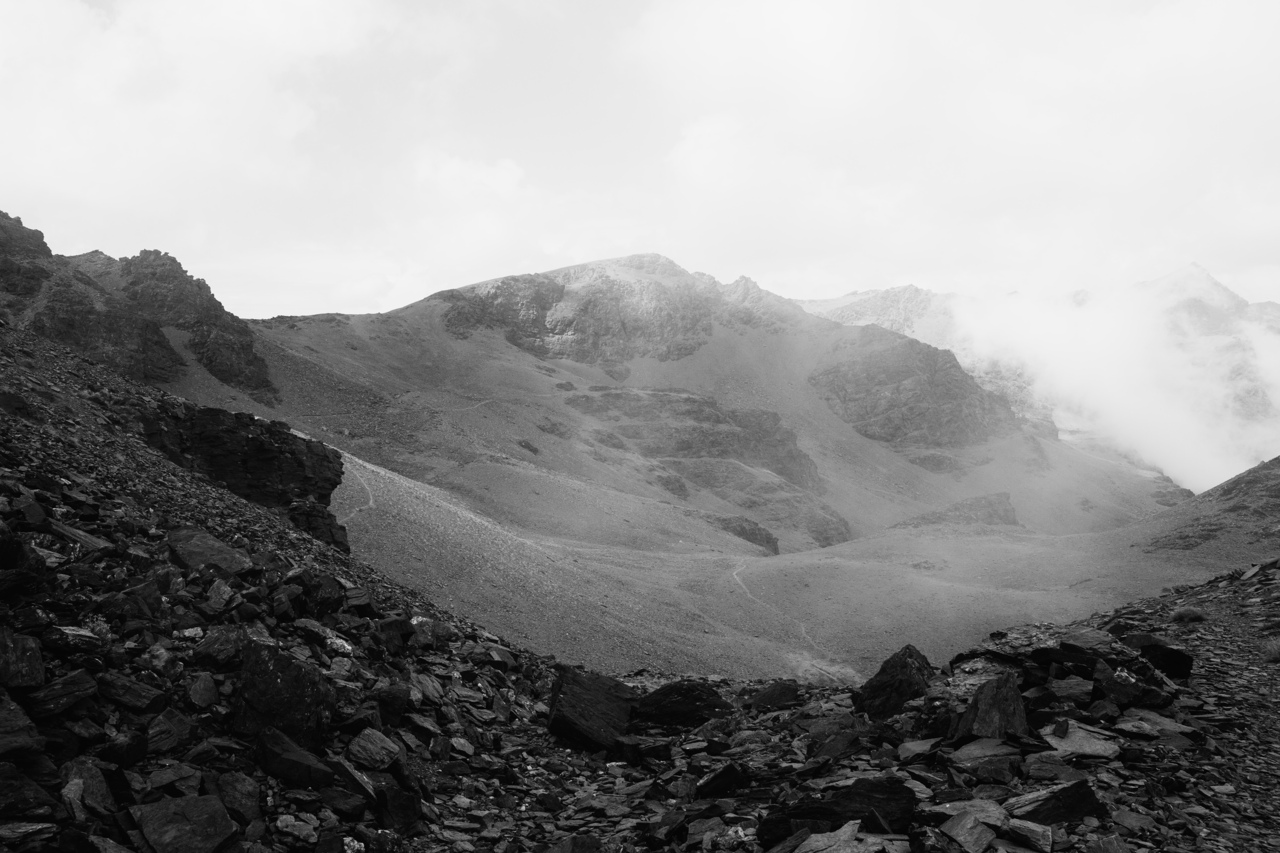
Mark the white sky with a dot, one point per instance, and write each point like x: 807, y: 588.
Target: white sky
x: 324, y: 155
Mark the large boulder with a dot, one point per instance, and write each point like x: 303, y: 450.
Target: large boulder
x: 589, y: 709
x: 277, y: 689
x: 682, y: 703
x: 901, y: 678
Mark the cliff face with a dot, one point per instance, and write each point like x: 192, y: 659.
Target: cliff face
x: 745, y: 457
x: 261, y: 461
x: 609, y: 312
x: 893, y: 388
x: 116, y: 311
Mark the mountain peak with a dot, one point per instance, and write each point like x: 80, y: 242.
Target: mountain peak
x: 17, y: 240
x: 1194, y: 282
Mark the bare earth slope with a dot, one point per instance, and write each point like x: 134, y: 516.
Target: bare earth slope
x: 603, y: 459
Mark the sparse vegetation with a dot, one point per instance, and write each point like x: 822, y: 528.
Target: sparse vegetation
x: 1188, y: 614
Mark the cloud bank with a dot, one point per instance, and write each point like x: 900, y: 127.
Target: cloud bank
x: 1179, y: 372
x: 316, y: 155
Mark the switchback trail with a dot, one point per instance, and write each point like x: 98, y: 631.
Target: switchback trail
x: 804, y: 630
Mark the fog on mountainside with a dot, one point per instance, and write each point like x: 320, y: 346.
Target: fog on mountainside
x: 1179, y: 372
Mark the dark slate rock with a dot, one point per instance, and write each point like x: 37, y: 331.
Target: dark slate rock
x: 21, y: 663
x: 995, y: 711
x: 1120, y: 687
x: 1087, y: 641
x: 192, y: 548
x: 881, y: 798
x: 90, y: 786
x: 17, y: 733
x: 60, y: 694
x: 776, y: 695
x: 126, y: 748
x: 21, y: 798
x: 130, y: 693
x: 1068, y: 802
x: 589, y: 709
x: 969, y: 832
x: 277, y: 689
x: 221, y: 646
x: 185, y: 824
x: 167, y: 731
x: 372, y: 749
x: 725, y: 780
x: 280, y: 756
x: 682, y: 703
x: 240, y: 794
x: 1171, y: 660
x: 901, y: 678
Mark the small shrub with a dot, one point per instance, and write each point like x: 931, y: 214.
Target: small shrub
x: 1271, y: 651
x: 1188, y: 614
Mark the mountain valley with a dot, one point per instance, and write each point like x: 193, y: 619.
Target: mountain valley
x: 629, y: 465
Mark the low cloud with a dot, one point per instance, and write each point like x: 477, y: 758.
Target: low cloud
x: 1178, y: 372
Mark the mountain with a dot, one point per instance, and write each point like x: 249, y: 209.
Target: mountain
x: 182, y: 670
x: 1178, y: 372
x: 628, y: 464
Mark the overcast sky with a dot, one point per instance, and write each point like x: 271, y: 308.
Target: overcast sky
x: 355, y: 156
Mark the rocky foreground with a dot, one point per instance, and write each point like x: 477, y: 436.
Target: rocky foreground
x: 183, y: 670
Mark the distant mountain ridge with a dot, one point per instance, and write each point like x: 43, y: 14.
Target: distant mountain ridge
x: 1182, y: 351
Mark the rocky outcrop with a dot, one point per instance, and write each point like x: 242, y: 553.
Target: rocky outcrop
x: 895, y: 389
x: 135, y: 346
x: 154, y: 285
x: 116, y: 311
x: 746, y: 457
x: 744, y: 528
x: 261, y: 461
x: 21, y: 250
x: 609, y: 312
x: 680, y: 424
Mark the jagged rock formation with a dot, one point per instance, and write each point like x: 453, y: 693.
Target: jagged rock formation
x: 893, y: 388
x: 610, y: 312
x: 984, y: 509
x: 116, y: 311
x: 261, y: 461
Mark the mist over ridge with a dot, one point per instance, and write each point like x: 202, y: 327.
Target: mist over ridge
x: 1179, y: 372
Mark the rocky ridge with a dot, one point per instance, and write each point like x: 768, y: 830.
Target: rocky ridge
x: 896, y: 389
x: 610, y: 312
x: 885, y: 385
x: 180, y: 670
x: 118, y: 311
